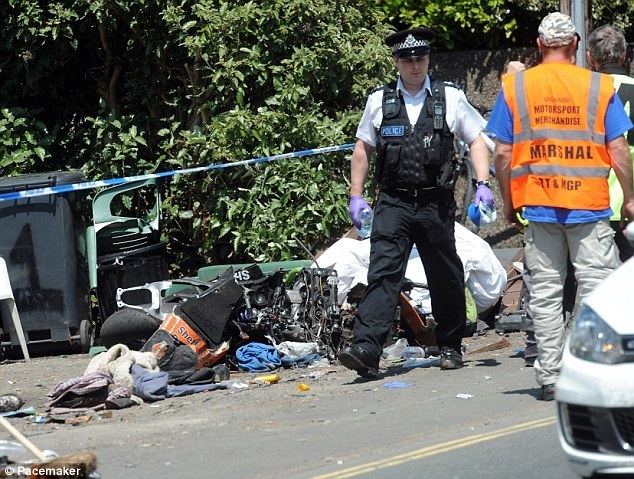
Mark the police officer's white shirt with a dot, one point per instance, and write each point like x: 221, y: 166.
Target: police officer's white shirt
x: 463, y: 120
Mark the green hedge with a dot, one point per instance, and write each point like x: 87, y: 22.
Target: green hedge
x: 123, y: 87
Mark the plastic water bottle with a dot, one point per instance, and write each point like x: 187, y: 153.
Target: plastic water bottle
x: 395, y: 351
x: 365, y: 217
x: 487, y: 214
x: 411, y: 352
x: 421, y: 363
x: 482, y: 214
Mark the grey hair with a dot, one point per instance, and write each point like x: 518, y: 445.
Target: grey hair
x: 607, y: 44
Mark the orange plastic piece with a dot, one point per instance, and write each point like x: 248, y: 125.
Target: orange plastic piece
x: 177, y: 327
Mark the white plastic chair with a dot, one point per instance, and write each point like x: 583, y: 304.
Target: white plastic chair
x: 8, y: 309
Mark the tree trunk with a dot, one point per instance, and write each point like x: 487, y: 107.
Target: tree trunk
x: 581, y: 13
x: 565, y: 6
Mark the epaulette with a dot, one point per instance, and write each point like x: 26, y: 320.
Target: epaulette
x: 391, y: 86
x: 452, y: 84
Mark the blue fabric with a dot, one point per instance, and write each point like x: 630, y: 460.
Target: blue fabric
x: 500, y: 126
x: 151, y: 386
x: 547, y: 214
x: 300, y: 361
x: 500, y: 123
x: 147, y: 385
x: 617, y: 122
x: 258, y: 357
x: 187, y: 389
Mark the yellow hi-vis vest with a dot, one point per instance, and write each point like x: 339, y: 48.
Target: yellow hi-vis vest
x: 624, y: 86
x: 559, y: 158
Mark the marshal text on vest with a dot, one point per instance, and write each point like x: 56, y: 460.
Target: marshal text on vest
x: 559, y: 151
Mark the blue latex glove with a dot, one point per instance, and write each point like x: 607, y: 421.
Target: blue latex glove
x: 484, y: 195
x: 357, y: 203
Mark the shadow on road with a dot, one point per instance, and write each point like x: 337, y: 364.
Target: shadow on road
x: 360, y: 380
x: 384, y: 374
x: 530, y: 392
x: 487, y: 362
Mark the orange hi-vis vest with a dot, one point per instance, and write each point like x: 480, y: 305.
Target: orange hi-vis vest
x: 559, y: 155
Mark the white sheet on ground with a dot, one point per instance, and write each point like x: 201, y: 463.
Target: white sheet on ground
x: 484, y: 275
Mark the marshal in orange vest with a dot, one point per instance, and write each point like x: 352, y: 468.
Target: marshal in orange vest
x: 559, y: 156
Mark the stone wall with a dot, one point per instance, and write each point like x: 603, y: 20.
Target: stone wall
x: 479, y: 71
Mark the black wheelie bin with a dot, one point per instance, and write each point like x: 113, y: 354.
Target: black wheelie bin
x: 42, y: 240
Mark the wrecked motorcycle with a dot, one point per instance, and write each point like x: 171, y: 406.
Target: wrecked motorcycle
x: 238, y: 307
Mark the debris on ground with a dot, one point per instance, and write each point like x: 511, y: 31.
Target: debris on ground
x: 501, y: 344
x: 14, y: 454
x: 248, y: 321
x: 268, y: 379
x: 395, y: 351
x: 413, y: 352
x: 10, y: 402
x: 429, y: 362
x: 512, y: 315
x: 26, y: 411
x: 397, y: 385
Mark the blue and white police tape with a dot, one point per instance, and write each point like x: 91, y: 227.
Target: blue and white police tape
x: 88, y: 185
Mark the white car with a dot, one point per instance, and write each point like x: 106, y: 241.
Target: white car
x: 595, y: 389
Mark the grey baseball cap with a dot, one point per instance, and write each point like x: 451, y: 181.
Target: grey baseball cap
x: 556, y: 30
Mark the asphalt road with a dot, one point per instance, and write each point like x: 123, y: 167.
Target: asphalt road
x: 341, y: 427
x: 531, y: 451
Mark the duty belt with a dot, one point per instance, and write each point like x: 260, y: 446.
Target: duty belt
x: 413, y: 192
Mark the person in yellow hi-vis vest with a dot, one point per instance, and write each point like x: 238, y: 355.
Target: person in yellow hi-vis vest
x: 607, y: 53
x: 559, y: 129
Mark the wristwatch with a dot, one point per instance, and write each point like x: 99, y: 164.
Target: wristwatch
x: 486, y: 183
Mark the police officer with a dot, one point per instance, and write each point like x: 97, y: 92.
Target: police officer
x: 411, y: 123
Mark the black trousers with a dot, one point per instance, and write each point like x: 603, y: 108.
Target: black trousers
x: 400, y: 220
x: 626, y: 250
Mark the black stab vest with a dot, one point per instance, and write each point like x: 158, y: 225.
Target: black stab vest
x: 414, y: 156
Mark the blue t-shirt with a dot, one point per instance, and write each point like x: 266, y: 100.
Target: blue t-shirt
x: 617, y: 122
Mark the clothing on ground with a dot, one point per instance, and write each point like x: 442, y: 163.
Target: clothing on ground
x: 154, y: 386
x: 84, y: 391
x: 117, y: 361
x: 258, y: 357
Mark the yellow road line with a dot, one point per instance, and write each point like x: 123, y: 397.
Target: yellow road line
x: 437, y: 449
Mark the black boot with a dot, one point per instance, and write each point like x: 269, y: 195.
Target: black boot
x: 360, y: 360
x: 450, y: 358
